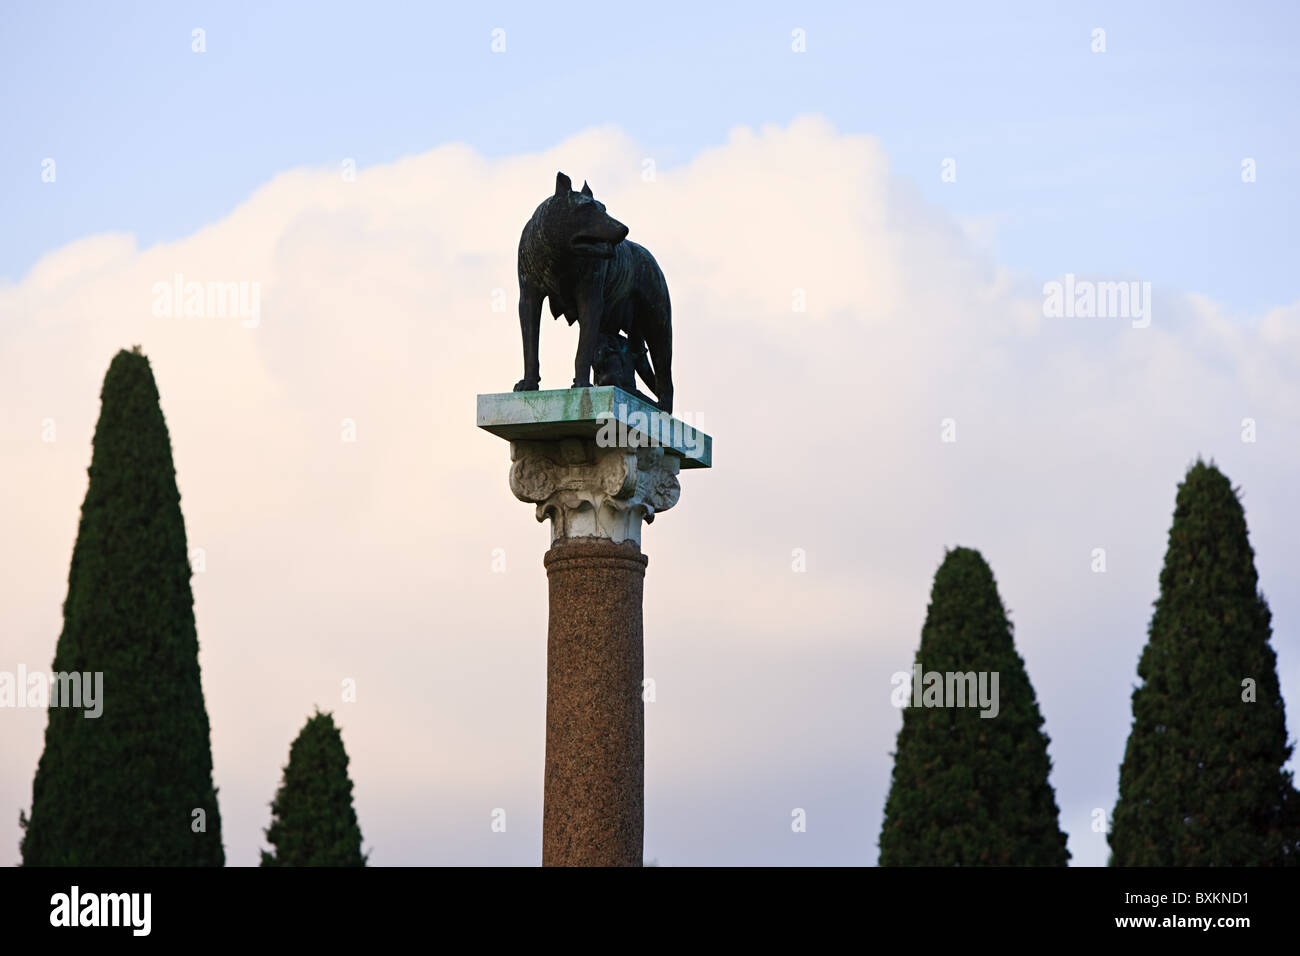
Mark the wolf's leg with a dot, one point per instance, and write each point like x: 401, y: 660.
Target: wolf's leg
x: 654, y: 322
x: 660, y: 343
x: 530, y: 324
x: 590, y: 310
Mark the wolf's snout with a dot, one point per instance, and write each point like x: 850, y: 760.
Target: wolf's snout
x: 611, y: 230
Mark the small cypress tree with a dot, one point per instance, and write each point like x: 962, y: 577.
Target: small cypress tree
x: 1202, y: 782
x: 970, y: 790
x: 132, y: 787
x: 313, y: 822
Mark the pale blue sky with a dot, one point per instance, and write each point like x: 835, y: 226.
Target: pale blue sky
x: 1122, y: 164
x: 1126, y: 162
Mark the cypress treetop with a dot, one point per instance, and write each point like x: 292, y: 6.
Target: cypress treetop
x: 313, y: 822
x: 969, y: 790
x: 132, y: 787
x: 1202, y: 782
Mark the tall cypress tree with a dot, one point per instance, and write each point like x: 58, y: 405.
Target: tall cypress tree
x: 313, y: 822
x: 1202, y: 782
x: 132, y: 787
x: 969, y: 790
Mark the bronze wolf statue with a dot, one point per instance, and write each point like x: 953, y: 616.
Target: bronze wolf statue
x: 576, y: 255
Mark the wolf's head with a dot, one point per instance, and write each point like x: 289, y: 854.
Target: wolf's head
x: 577, y: 223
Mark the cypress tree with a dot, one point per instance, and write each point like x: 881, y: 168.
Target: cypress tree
x: 132, y: 787
x: 313, y: 822
x: 1202, y: 782
x: 970, y: 790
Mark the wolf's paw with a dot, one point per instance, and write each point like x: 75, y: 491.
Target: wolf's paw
x: 523, y: 385
x: 577, y: 384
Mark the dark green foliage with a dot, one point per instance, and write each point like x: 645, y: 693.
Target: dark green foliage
x: 970, y: 790
x: 122, y: 789
x: 312, y: 819
x: 1202, y: 782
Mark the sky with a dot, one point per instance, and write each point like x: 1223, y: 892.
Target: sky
x: 913, y: 177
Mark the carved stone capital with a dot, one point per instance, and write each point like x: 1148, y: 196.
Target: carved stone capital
x: 592, y: 492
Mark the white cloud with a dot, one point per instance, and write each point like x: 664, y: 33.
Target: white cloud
x: 371, y: 560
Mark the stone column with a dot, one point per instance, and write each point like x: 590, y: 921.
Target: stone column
x: 596, y: 484
x: 596, y: 499
x: 594, y: 799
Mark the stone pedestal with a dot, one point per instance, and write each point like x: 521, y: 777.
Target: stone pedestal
x: 597, y: 463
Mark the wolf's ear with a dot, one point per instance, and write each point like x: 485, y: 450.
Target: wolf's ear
x: 563, y: 184
x: 586, y: 190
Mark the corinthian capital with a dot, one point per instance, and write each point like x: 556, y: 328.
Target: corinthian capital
x: 592, y: 492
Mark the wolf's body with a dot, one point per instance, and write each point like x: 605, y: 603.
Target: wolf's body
x: 573, y: 254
